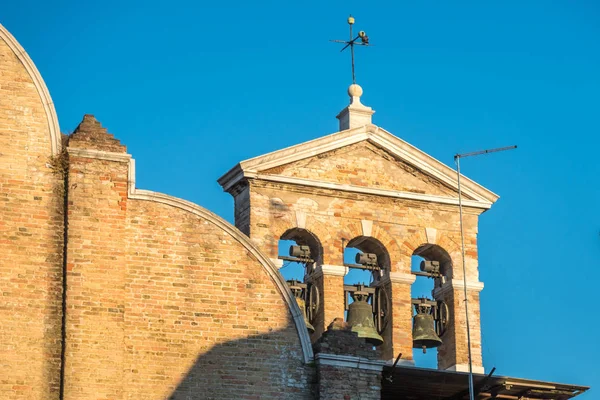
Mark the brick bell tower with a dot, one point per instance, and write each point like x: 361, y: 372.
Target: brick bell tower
x: 363, y: 187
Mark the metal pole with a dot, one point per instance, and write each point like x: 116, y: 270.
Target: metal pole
x: 352, y: 52
x: 457, y: 158
x: 464, y: 265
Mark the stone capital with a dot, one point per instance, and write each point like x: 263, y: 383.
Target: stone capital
x: 458, y: 284
x: 331, y: 270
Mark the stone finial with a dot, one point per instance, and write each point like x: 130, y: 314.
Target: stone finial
x: 356, y: 114
x: 90, y: 134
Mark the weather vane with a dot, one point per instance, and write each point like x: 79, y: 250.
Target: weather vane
x: 364, y: 41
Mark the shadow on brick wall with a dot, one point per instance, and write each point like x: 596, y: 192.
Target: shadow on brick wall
x: 264, y: 366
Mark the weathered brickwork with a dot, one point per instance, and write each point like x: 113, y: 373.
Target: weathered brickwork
x: 203, y: 318
x: 96, y: 268
x: 455, y: 350
x: 345, y: 382
x: 159, y: 302
x: 355, y: 164
x: 31, y: 237
x: 162, y: 303
x: 335, y: 217
x: 348, y: 383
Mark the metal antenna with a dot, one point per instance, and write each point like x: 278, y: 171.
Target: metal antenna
x: 364, y: 41
x: 457, y: 158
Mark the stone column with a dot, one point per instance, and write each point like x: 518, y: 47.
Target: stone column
x: 398, y: 334
x: 329, y: 280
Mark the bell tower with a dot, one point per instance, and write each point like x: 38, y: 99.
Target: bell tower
x: 364, y: 188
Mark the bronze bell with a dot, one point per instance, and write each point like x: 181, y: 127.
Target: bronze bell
x: 297, y: 292
x: 424, y: 336
x: 360, y: 318
x: 302, y: 305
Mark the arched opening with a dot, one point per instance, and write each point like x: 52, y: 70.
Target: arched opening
x: 370, y: 245
x: 367, y: 259
x: 298, y: 269
x: 433, y: 252
x: 424, y: 287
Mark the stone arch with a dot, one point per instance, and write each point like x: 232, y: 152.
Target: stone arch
x: 350, y: 229
x: 40, y: 86
x: 270, y: 241
x: 324, y: 234
x: 317, y: 228
x: 265, y: 261
x: 451, y: 244
x: 388, y: 241
x: 415, y: 239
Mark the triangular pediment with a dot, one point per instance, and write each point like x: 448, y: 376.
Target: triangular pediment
x: 364, y: 164
x: 347, y: 161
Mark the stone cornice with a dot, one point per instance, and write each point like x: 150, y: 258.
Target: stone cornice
x: 99, y: 154
x: 40, y: 86
x: 368, y: 191
x: 252, y: 168
x: 344, y: 361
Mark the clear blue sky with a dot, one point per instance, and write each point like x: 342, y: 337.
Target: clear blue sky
x: 192, y: 88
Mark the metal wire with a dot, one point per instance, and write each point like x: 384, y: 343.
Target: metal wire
x: 464, y: 265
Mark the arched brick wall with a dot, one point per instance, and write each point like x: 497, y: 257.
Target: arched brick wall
x: 31, y: 230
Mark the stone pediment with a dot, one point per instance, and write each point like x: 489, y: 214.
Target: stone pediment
x: 367, y: 160
x: 364, y: 165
